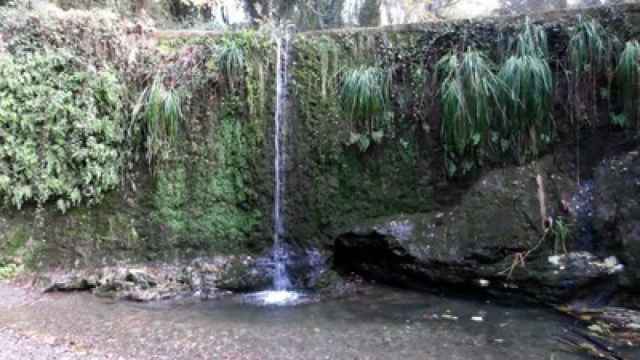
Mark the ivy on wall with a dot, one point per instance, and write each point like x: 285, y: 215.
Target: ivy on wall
x: 61, y: 128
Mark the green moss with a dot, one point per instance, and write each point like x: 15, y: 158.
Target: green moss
x: 210, y: 202
x: 206, y: 196
x: 337, y: 184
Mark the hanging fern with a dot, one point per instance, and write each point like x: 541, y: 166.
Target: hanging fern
x: 628, y: 78
x: 469, y: 94
x: 528, y: 103
x: 590, y: 60
x: 161, y: 109
x: 532, y: 41
x: 365, y: 101
x: 589, y: 46
x: 231, y: 61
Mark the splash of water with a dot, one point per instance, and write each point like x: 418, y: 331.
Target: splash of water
x: 582, y: 207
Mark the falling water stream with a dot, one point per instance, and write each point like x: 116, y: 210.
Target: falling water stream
x: 282, y: 293
x: 281, y: 279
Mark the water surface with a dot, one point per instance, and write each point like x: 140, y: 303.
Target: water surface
x: 378, y: 323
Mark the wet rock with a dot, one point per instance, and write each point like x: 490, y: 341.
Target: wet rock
x: 491, y: 239
x: 620, y: 325
x: 617, y: 211
x: 244, y: 275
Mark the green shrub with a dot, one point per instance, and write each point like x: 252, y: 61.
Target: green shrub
x: 60, y: 131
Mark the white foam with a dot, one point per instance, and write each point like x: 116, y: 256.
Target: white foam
x: 275, y: 298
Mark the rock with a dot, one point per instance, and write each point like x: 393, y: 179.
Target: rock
x: 244, y: 275
x: 113, y: 282
x: 140, y: 278
x: 201, y: 275
x: 170, y: 290
x: 617, y: 212
x: 491, y: 239
x: 73, y: 282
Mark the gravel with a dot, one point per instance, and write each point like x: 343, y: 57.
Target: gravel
x: 19, y: 346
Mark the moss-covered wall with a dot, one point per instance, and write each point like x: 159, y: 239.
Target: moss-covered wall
x: 332, y: 184
x: 212, y: 190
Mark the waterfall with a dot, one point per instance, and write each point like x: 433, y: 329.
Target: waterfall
x: 280, y: 279
x: 282, y: 293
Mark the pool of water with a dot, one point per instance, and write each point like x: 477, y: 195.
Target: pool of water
x: 377, y: 323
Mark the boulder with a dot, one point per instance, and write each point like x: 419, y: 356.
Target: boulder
x: 72, y: 282
x: 617, y: 211
x: 492, y: 238
x: 244, y: 275
x: 201, y: 275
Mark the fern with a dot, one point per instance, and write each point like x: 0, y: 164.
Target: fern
x: 470, y: 95
x: 529, y: 80
x: 628, y: 77
x: 590, y: 59
x: 589, y: 47
x: 365, y: 101
x: 161, y: 110
x: 231, y: 61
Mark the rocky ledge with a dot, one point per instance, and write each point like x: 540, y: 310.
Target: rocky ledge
x: 493, y: 238
x: 207, y: 278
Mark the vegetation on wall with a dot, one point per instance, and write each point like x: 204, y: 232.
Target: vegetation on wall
x: 161, y: 110
x: 628, y: 78
x: 61, y: 129
x: 528, y: 120
x: 591, y: 59
x: 207, y: 183
x: 365, y: 97
x: 470, y: 94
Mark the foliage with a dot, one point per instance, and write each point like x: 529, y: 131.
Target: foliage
x: 528, y: 103
x: 231, y: 61
x: 60, y: 129
x: 9, y: 271
x: 532, y: 41
x: 469, y: 93
x: 589, y: 46
x: 591, y: 50
x: 561, y: 232
x: 97, y: 39
x: 161, y: 109
x: 628, y: 78
x: 619, y: 120
x: 365, y: 101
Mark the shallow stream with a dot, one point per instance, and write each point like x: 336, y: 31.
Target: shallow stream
x: 377, y: 323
